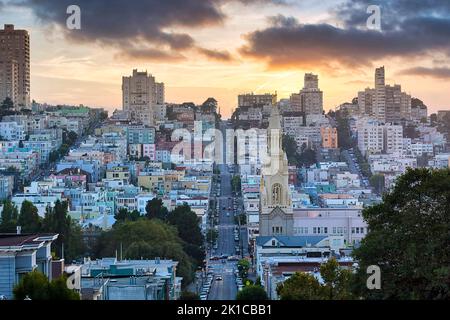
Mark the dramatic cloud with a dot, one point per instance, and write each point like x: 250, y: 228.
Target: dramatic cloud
x: 438, y: 73
x: 410, y: 29
x: 224, y: 56
x: 147, y: 22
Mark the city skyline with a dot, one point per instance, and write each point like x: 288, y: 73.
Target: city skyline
x: 220, y: 49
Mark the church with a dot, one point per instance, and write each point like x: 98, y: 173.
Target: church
x: 276, y: 212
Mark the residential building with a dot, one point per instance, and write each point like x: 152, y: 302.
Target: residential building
x: 251, y: 100
x: 329, y: 137
x: 22, y: 254
x: 15, y: 66
x: 141, y: 93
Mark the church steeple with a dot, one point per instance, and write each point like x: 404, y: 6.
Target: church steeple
x: 276, y: 203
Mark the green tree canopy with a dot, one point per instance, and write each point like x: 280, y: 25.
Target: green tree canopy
x: 290, y: 147
x: 409, y: 239
x: 36, y: 286
x: 187, y: 295
x: 336, y: 285
x: 7, y: 104
x: 243, y: 266
x: 29, y: 218
x: 187, y: 224
x: 147, y: 239
x: 156, y: 210
x: 377, y: 182
x: 301, y: 286
x: 9, y: 217
x: 124, y: 215
x: 58, y: 221
x: 252, y: 293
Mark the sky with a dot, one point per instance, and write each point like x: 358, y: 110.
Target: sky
x: 221, y: 48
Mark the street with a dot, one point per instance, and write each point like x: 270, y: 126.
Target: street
x: 225, y: 289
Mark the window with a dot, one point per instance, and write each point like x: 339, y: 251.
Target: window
x: 353, y: 230
x: 314, y: 230
x: 325, y: 230
x: 276, y: 193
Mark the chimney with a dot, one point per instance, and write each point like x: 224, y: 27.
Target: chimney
x: 18, y: 230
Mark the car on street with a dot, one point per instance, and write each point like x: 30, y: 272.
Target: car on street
x: 219, y: 278
x: 203, y: 297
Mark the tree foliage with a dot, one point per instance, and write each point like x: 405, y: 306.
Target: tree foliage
x: 252, y: 292
x: 57, y: 220
x: 409, y: 239
x: 147, y: 239
x: 29, y: 219
x: 187, y: 224
x: 9, y: 217
x: 156, y: 210
x: 36, y: 286
x: 336, y: 285
x: 124, y: 215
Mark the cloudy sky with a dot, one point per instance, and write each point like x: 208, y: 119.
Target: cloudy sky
x: 220, y: 48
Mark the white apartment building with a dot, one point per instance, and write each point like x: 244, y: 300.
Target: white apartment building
x: 393, y: 139
x: 291, y: 121
x: 11, y: 131
x: 347, y: 222
x: 370, y: 137
x: 418, y: 148
x: 375, y: 137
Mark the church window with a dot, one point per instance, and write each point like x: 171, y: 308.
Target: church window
x: 276, y: 193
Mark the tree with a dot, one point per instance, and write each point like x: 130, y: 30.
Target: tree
x: 29, y: 218
x: 411, y: 132
x: 211, y: 235
x: 59, y: 291
x: 336, y: 280
x: 187, y: 224
x: 57, y: 220
x: 124, y: 215
x: 252, y: 292
x: 9, y: 217
x: 156, y: 210
x: 343, y: 129
x: 187, y: 295
x: 146, y: 239
x: 243, y: 266
x: 408, y: 239
x: 307, y: 157
x: 36, y: 286
x: 377, y: 182
x: 290, y: 147
x: 236, y: 184
x: 7, y: 104
x: 301, y: 286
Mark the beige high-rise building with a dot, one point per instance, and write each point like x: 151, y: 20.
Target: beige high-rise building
x: 9, y: 80
x: 310, y: 98
x: 141, y: 94
x: 15, y: 66
x: 251, y: 100
x: 385, y: 103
